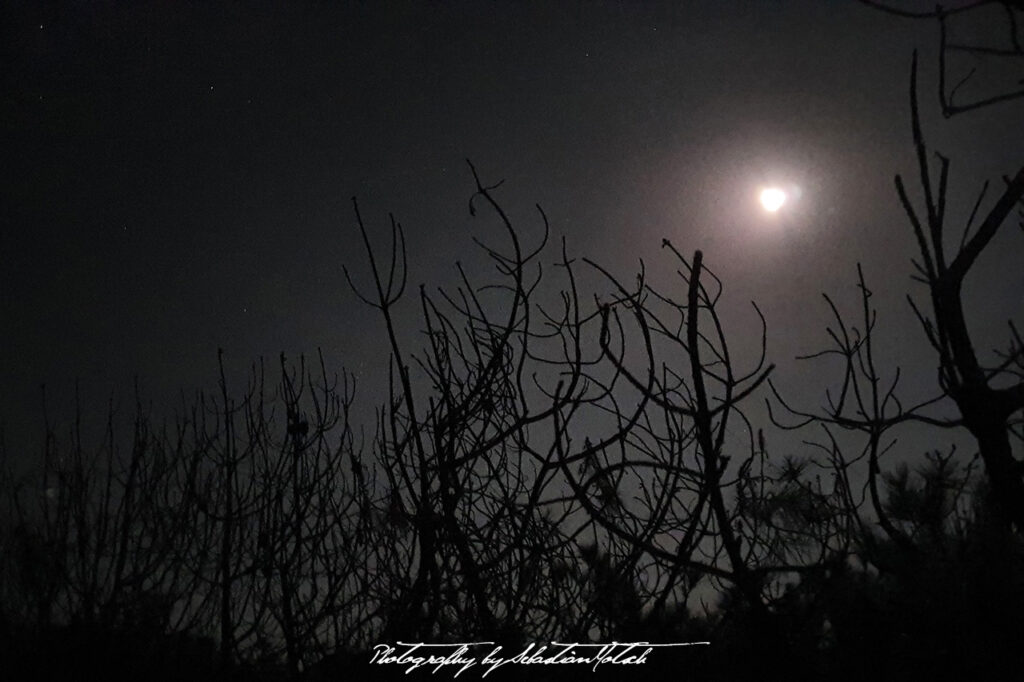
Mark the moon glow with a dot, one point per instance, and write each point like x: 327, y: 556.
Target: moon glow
x: 772, y: 199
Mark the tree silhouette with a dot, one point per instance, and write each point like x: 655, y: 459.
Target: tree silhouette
x: 1003, y: 49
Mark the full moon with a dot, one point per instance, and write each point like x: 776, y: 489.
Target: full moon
x: 772, y: 199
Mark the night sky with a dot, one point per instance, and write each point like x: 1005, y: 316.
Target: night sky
x: 177, y: 177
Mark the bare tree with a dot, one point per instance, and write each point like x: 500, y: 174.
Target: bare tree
x: 476, y: 497
x: 987, y: 394
x: 690, y: 495
x: 1003, y: 49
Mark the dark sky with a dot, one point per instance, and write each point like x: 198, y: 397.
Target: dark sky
x: 177, y: 176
